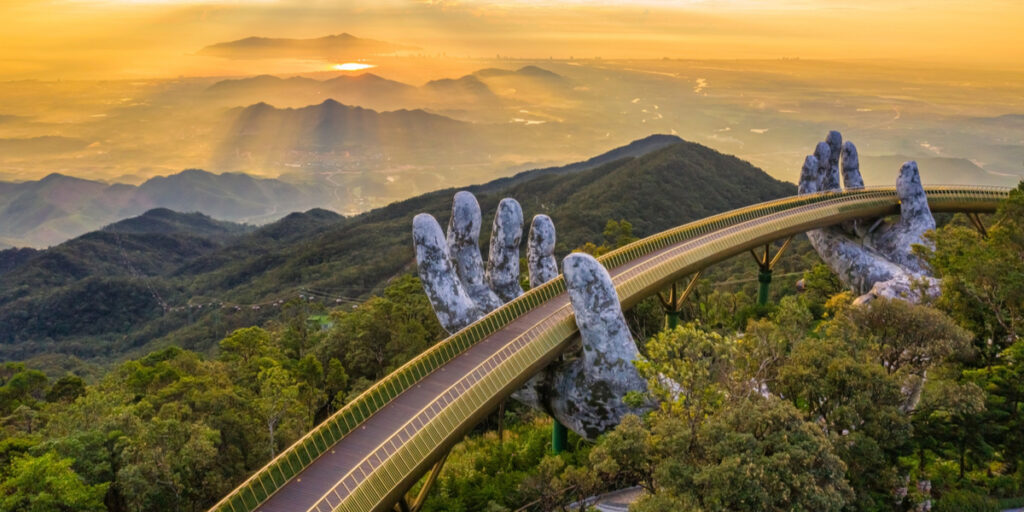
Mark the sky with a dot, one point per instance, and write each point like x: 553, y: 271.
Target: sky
x: 131, y: 39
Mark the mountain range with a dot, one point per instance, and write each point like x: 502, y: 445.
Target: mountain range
x: 169, y: 278
x: 475, y: 96
x: 51, y: 210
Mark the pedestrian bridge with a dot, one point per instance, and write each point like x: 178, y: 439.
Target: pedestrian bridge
x: 366, y: 456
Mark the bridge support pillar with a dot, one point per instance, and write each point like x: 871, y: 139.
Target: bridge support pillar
x: 978, y: 224
x: 766, y: 263
x: 559, y: 436
x: 673, y: 304
x: 764, y: 281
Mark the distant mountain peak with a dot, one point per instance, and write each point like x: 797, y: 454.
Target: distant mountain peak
x: 167, y: 221
x: 528, y: 71
x: 336, y: 46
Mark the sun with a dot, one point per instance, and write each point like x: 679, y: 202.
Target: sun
x: 353, y: 66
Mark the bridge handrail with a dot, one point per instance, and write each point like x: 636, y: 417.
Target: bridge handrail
x: 275, y: 474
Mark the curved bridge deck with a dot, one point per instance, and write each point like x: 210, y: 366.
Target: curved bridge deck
x: 367, y: 455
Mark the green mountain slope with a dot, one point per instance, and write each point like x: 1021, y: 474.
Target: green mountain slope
x: 191, y: 291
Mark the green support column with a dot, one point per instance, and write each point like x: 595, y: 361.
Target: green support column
x: 559, y: 436
x: 766, y: 262
x: 671, y: 319
x: 673, y: 304
x: 764, y: 279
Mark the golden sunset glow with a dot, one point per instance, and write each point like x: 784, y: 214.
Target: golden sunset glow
x: 353, y: 66
x: 101, y: 39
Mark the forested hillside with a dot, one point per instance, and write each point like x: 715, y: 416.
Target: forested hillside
x: 109, y: 292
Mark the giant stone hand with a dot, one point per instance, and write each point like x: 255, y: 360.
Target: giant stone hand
x: 871, y: 256
x: 584, y: 392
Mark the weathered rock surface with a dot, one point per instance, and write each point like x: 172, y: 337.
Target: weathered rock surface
x: 503, y: 260
x: 851, y: 167
x: 835, y: 145
x: 873, y: 258
x: 583, y: 392
x: 592, y: 386
x: 463, y: 246
x: 540, y: 251
x: 453, y: 307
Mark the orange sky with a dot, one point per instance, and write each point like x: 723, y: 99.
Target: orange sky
x: 95, y: 39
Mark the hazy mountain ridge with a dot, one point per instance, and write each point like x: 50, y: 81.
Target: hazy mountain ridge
x: 56, y: 208
x: 366, y: 90
x: 472, y: 95
x: 331, y: 125
x: 166, y: 221
x: 331, y: 136
x: 339, y: 46
x: 656, y: 184
x: 882, y: 170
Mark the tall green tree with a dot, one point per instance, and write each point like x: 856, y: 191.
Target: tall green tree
x: 48, y: 484
x: 982, y: 284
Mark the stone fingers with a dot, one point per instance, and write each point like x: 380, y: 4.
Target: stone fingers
x: 588, y: 392
x: 835, y: 145
x: 828, y: 180
x: 915, y: 219
x: 809, y: 176
x: 540, y: 251
x: 503, y: 259
x: 452, y: 305
x: 851, y: 167
x: 464, y: 248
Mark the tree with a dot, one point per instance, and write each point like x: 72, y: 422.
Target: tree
x: 625, y: 454
x: 858, y: 405
x: 279, y: 396
x: 336, y: 383
x: 66, y: 389
x: 820, y: 283
x: 618, y: 234
x: 544, y: 487
x: 982, y: 285
x: 23, y: 387
x: 245, y: 346
x: 761, y: 454
x: 169, y: 462
x: 908, y: 338
x: 950, y: 414
x: 756, y: 453
x: 689, y: 370
x: 48, y: 484
x: 1004, y: 386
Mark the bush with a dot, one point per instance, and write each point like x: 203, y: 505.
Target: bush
x: 966, y: 501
